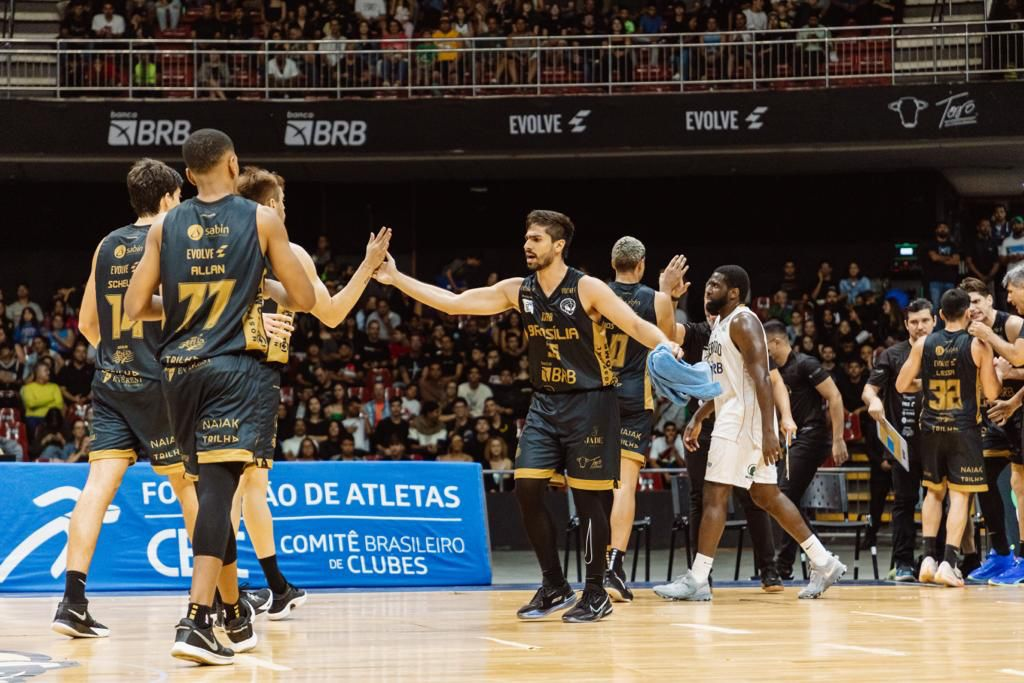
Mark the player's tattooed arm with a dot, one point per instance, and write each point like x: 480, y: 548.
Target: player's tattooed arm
x: 748, y: 335
x: 88, y: 318
x: 497, y: 298
x: 141, y: 300
x: 907, y: 381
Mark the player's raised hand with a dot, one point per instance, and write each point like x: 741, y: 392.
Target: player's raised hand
x: 277, y: 325
x: 377, y: 246
x: 672, y: 280
x: 385, y: 274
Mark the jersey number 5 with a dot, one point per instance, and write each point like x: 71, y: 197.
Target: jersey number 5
x: 945, y: 394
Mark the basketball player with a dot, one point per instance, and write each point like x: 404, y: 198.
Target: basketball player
x: 694, y: 337
x: 128, y: 418
x: 267, y: 188
x: 636, y: 401
x: 950, y: 365
x: 745, y: 442
x: 808, y: 384
x: 207, y: 257
x: 573, y: 422
x: 1001, y: 431
x: 903, y: 411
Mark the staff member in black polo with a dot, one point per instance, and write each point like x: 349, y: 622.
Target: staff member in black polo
x: 903, y: 411
x: 808, y: 384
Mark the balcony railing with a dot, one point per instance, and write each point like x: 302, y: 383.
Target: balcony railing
x: 802, y: 58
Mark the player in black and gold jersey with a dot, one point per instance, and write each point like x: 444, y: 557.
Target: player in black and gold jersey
x: 636, y: 399
x: 267, y: 188
x: 128, y: 419
x: 573, y: 423
x: 207, y: 257
x: 954, y: 371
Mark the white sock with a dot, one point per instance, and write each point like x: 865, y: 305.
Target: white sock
x: 702, y: 567
x: 816, y: 551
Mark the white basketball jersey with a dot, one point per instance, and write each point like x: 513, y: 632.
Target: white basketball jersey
x: 736, y: 408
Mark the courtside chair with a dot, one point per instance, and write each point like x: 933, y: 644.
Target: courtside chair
x: 828, y: 493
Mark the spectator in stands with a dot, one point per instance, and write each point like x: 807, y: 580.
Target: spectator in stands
x: 106, y: 24
x: 357, y: 424
x: 168, y: 14
x: 711, y: 51
x: 141, y: 19
x: 475, y: 392
x: 48, y: 439
x: 77, y: 447
x: 1012, y: 249
x: 283, y: 72
x: 316, y: 421
x: 854, y: 284
x: 1000, y: 223
x: 62, y: 338
x: 497, y: 458
x: 393, y: 64
x: 75, y: 378
x: 781, y: 308
x: 214, y: 76
x: 393, y: 429
x: 12, y: 370
x: 378, y: 408
x: 667, y: 450
x: 426, y: 432
x: 239, y: 27
x: 207, y: 26
x: 983, y: 255
x: 387, y: 320
x: 476, y: 443
x: 370, y: 11
x: 456, y: 451
x: 411, y: 402
x: 39, y: 396
x: 790, y: 284
x: 890, y: 323
x: 756, y: 18
x: 432, y: 384
x: 28, y: 328
x: 824, y: 281
x: 23, y: 301
x: 828, y: 362
x: 459, y: 421
x: 330, y: 448
x: 335, y: 410
x: 811, y: 46
x: 76, y: 23
x: 941, y: 263
x: 796, y: 325
x: 449, y: 59
x: 290, y: 446
x: 308, y: 450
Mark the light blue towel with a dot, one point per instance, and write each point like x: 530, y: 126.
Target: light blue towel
x: 679, y: 381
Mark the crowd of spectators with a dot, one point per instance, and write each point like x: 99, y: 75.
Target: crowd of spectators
x: 385, y: 43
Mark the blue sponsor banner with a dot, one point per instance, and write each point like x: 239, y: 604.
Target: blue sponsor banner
x: 335, y: 525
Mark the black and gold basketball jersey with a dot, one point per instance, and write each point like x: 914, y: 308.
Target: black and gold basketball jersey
x: 950, y: 380
x: 1010, y: 386
x: 277, y: 349
x: 566, y: 349
x: 127, y: 347
x: 628, y: 356
x: 211, y: 272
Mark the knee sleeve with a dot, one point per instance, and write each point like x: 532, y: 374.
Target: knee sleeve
x: 215, y: 490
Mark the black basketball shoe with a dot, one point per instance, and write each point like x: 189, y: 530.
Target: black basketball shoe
x: 771, y: 582
x: 547, y: 601
x: 74, y: 620
x: 199, y: 645
x: 260, y: 600
x: 594, y: 605
x: 240, y: 630
x: 285, y: 602
x: 616, y: 586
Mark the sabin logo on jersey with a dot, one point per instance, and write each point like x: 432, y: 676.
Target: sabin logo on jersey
x: 195, y: 232
x: 303, y: 129
x: 128, y: 130
x: 119, y: 251
x: 568, y: 306
x: 940, y: 351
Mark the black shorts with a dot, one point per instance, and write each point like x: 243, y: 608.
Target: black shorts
x: 129, y: 419
x: 269, y: 380
x: 215, y: 411
x: 954, y: 458
x: 635, y: 431
x: 572, y: 434
x: 812, y: 445
x: 1003, y: 442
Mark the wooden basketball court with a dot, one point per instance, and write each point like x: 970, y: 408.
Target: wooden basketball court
x: 856, y: 633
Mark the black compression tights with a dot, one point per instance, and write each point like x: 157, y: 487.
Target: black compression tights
x: 215, y: 489
x: 592, y: 508
x: 992, y: 506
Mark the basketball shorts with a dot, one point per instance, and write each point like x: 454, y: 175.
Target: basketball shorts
x: 635, y: 429
x: 269, y: 381
x: 1003, y: 442
x: 214, y: 409
x: 575, y: 435
x: 129, y: 419
x: 954, y: 458
x: 738, y: 462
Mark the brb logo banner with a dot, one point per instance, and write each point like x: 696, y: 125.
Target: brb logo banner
x: 336, y: 525
x: 128, y: 130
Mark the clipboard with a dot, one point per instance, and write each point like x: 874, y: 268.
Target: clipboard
x: 894, y: 443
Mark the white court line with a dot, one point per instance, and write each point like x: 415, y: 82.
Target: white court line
x: 1012, y: 672
x: 869, y: 650
x: 308, y: 517
x: 263, y: 663
x: 888, y: 616
x: 520, y: 646
x: 716, y: 629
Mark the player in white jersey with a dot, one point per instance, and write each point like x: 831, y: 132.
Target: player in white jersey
x: 745, y: 441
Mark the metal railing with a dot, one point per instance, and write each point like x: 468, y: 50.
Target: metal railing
x: 807, y: 58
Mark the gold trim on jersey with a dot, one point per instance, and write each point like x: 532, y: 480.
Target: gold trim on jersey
x: 252, y: 323
x: 604, y: 362
x: 591, y: 484
x: 534, y: 473
x: 634, y: 456
x: 962, y: 488
x: 168, y: 470
x: 996, y: 453
x: 648, y: 390
x: 224, y: 455
x: 114, y: 454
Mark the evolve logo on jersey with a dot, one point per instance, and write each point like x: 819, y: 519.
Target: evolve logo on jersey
x: 724, y: 119
x: 303, y: 129
x: 339, y: 524
x: 128, y: 130
x: 547, y: 124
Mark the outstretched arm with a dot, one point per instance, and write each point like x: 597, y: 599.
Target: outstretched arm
x: 491, y: 300
x: 748, y: 335
x: 283, y: 260
x: 596, y: 295
x: 88, y: 318
x: 140, y: 300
